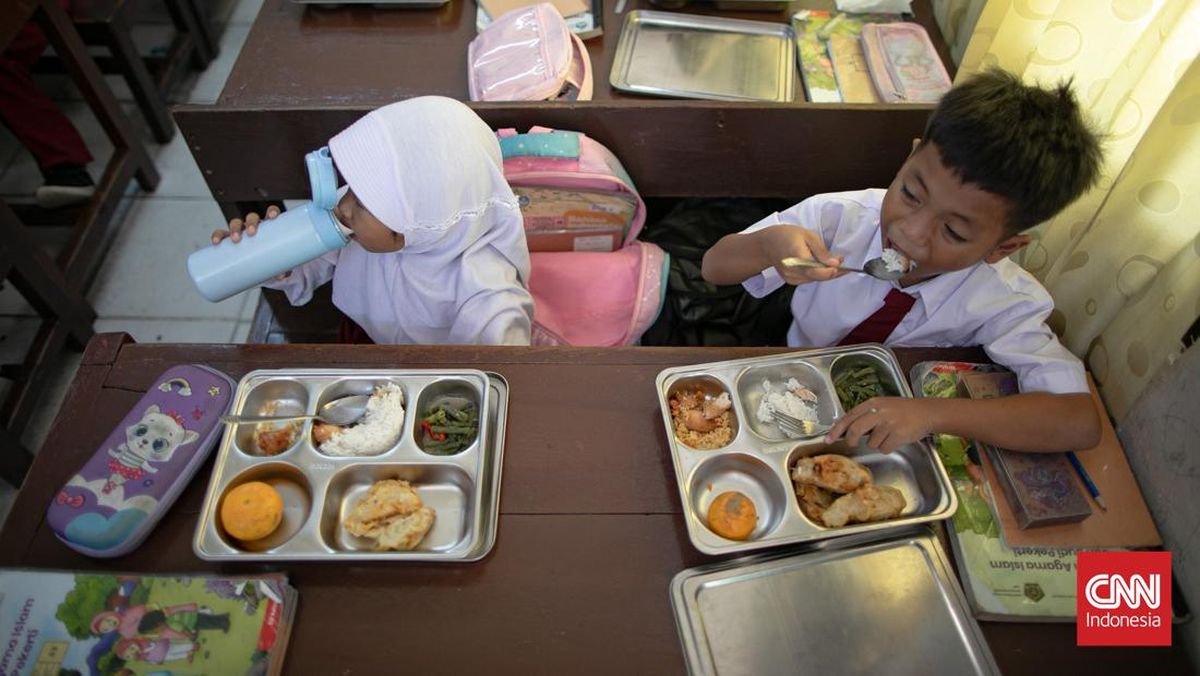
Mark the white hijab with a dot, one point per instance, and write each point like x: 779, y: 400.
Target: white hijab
x: 431, y: 170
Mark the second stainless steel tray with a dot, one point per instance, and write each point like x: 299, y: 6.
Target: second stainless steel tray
x: 891, y: 607
x: 318, y: 489
x: 702, y: 57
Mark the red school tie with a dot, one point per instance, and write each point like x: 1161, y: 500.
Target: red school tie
x: 877, y: 327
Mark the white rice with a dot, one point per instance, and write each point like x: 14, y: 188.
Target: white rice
x: 796, y: 400
x: 895, y: 261
x: 378, y: 429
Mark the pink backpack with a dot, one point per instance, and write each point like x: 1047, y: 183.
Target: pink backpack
x: 528, y: 54
x: 598, y: 298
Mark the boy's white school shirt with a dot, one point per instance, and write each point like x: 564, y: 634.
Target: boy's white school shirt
x: 999, y: 306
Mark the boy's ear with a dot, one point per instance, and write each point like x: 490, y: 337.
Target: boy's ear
x: 916, y: 142
x: 1007, y: 247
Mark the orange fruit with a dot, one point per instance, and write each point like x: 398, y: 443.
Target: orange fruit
x: 732, y: 515
x: 251, y: 511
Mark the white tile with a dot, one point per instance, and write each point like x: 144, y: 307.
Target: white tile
x: 180, y: 175
x: 250, y: 305
x: 57, y: 381
x: 157, y: 330
x: 207, y: 86
x: 241, y: 333
x: 145, y: 274
x: 246, y: 11
x: 16, y: 335
x: 12, y: 303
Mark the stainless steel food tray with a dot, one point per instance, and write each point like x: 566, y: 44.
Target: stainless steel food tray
x: 758, y: 460
x: 703, y: 57
x: 891, y: 607
x: 318, y: 489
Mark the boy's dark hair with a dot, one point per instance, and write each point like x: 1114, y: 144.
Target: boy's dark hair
x: 1026, y: 144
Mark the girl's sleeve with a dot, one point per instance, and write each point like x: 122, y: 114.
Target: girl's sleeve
x: 504, y: 317
x: 299, y: 285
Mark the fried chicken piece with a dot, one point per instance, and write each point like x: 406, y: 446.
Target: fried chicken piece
x: 404, y: 532
x: 832, y: 472
x: 869, y: 503
x: 392, y: 515
x: 387, y: 498
x: 813, y: 500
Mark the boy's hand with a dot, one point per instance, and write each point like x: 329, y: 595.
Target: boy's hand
x: 887, y: 422
x: 237, y: 226
x: 783, y: 241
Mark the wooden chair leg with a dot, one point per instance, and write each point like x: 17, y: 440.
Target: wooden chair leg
x: 190, y: 18
x: 133, y: 68
x: 87, y: 76
x: 41, y: 282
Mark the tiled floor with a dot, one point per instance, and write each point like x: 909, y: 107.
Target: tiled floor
x: 142, y: 287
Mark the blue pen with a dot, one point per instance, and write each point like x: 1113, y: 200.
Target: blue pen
x: 1087, y: 480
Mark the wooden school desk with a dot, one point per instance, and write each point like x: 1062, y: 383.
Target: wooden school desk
x: 590, y: 534
x: 305, y: 73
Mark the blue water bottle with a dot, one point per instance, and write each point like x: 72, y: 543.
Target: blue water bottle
x: 292, y: 238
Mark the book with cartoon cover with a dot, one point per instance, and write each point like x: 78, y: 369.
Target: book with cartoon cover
x: 58, y: 623
x: 1000, y: 582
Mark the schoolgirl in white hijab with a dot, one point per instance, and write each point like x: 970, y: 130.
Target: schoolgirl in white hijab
x: 438, y: 252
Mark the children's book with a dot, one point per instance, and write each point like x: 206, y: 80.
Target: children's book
x: 816, y: 54
x: 59, y: 623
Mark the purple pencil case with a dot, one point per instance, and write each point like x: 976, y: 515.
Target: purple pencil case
x: 112, y: 504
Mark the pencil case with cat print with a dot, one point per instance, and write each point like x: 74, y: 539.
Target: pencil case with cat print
x: 113, y: 502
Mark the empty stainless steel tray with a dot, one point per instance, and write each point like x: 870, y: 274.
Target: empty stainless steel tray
x: 702, y: 57
x: 890, y: 607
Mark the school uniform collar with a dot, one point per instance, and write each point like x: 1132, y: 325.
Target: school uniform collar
x: 932, y: 292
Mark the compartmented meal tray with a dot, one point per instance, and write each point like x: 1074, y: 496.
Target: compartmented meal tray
x: 891, y: 607
x: 702, y: 57
x: 757, y: 459
x: 320, y: 490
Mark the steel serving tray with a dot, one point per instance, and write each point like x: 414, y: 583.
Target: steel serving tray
x: 759, y: 458
x: 703, y: 57
x: 889, y: 607
x: 319, y: 489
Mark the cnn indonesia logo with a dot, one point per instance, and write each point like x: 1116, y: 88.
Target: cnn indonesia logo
x: 1123, y: 599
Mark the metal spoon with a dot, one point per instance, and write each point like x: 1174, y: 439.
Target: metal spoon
x: 874, y: 267
x: 341, y: 411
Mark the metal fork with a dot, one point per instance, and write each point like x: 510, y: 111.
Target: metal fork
x: 798, y: 428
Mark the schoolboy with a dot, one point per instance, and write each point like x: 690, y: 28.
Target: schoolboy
x: 997, y: 157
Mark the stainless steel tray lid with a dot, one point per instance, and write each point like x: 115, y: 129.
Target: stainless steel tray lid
x: 887, y: 607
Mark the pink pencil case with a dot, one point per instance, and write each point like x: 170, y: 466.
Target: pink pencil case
x: 529, y: 54
x: 903, y: 63
x: 114, y: 501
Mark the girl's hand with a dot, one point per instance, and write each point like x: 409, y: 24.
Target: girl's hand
x: 887, y: 422
x: 785, y: 241
x: 249, y: 226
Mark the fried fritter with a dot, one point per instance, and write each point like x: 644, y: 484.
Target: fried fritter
x: 869, y: 503
x: 392, y: 514
x: 832, y: 472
